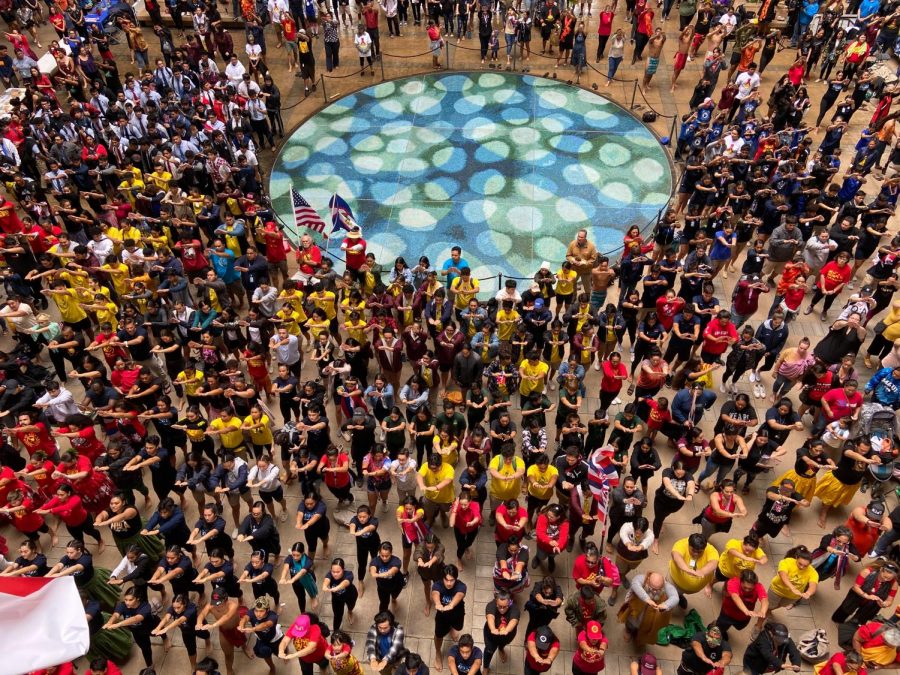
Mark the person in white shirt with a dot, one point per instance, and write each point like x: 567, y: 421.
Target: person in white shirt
x: 403, y: 473
x: 58, y: 403
x: 747, y: 82
x: 100, y: 245
x: 18, y: 313
x: 234, y: 71
x: 266, y: 477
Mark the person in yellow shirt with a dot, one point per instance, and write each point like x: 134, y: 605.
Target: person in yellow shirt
x: 71, y: 312
x: 104, y: 310
x: 740, y: 555
x: 160, y: 178
x: 117, y: 272
x: 506, y: 472
x: 228, y: 428
x: 464, y: 288
x: 292, y: 295
x: 75, y: 277
x: 566, y: 278
x: 507, y: 318
x: 353, y: 302
x: 693, y: 566
x: 435, y: 480
x: 288, y: 319
x: 259, y: 427
x: 356, y: 328
x: 189, y: 381
x: 541, y: 479
x: 317, y: 324
x: 796, y: 580
x: 532, y: 375
x: 324, y: 300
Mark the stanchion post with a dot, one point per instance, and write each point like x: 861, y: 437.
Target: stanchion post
x: 324, y: 93
x: 381, y: 61
x: 672, y: 130
x: 633, y: 94
x: 447, y: 52
x: 500, y: 281
x: 514, y: 56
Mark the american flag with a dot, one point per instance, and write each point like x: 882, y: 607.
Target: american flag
x: 305, y: 215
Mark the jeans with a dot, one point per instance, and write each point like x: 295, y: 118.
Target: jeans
x: 885, y: 541
x: 614, y: 62
x: 510, y: 41
x: 712, y: 467
x: 462, y: 23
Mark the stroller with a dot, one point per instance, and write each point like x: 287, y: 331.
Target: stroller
x: 879, y: 424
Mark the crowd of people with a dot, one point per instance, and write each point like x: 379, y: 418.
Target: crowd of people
x: 164, y: 340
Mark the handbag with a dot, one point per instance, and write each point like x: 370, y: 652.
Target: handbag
x: 813, y: 646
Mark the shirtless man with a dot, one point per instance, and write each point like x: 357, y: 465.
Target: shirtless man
x: 601, y: 277
x: 714, y: 39
x: 684, y: 45
x: 227, y: 614
x: 654, y: 49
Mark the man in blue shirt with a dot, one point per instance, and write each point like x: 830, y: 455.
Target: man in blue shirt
x: 885, y: 387
x: 453, y: 265
x: 222, y: 260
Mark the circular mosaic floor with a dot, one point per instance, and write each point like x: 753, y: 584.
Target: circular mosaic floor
x: 508, y: 166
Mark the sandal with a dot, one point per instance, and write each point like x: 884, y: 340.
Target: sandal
x: 630, y: 389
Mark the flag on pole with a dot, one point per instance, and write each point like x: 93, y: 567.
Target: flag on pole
x: 44, y: 623
x: 341, y: 214
x: 305, y: 215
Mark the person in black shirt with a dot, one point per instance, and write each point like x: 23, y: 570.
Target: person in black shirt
x: 780, y: 502
x: 176, y: 568
x: 771, y: 651
x: 573, y: 471
x: 259, y: 530
x: 135, y: 614
x: 262, y: 621
x: 385, y: 569
x: 707, y: 652
x: 182, y: 614
x: 448, y: 596
x: 259, y: 574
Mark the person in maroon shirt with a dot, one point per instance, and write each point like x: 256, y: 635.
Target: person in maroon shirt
x: 446, y: 346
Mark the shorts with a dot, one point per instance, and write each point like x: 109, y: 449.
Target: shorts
x: 777, y: 600
x: 277, y: 495
x: 83, y: 325
x: 652, y: 65
x: 234, y: 498
x: 735, y: 57
x: 265, y: 650
x: 307, y: 70
x: 433, y: 508
x: 535, y: 503
x: 680, y: 61
x: 280, y: 266
x: 444, y: 622
x: 707, y: 357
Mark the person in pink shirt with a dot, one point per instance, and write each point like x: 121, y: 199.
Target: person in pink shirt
x: 839, y: 403
x: 719, y: 334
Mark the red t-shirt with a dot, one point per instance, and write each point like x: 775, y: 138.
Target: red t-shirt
x: 466, y: 519
x: 715, y: 329
x: 71, y: 511
x: 539, y: 667
x: 275, y: 252
x: 27, y: 520
x: 336, y: 479
x: 657, y: 418
x: 841, y: 405
x: 833, y: 276
x: 37, y: 440
x: 667, y: 309
x: 733, y: 585
x: 355, y: 259
x: 594, y: 663
x: 606, y: 20
x: 315, y: 636
x: 609, y: 383
x: 502, y: 533
x: 9, y: 219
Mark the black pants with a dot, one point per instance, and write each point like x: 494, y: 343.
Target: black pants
x: 318, y: 531
x: 601, y: 46
x: 663, y: 507
x: 388, y: 590
x: 880, y: 346
x: 268, y: 587
x: 366, y: 550
x: 484, y: 40
x: 494, y: 642
x: 724, y: 622
x: 346, y: 599
x: 393, y: 25
x: 87, y: 527
x: 300, y: 592
x: 464, y: 541
x: 854, y: 606
x: 142, y: 640
x: 376, y: 45
x: 640, y: 41
x: 827, y: 102
x: 189, y: 637
x: 332, y: 55
x: 263, y: 132
x: 417, y: 12
x: 275, y: 120
x: 818, y: 295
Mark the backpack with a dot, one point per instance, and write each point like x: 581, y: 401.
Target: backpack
x: 813, y: 646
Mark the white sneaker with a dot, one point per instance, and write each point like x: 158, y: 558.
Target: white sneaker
x: 617, y: 401
x: 753, y: 376
x: 552, y: 385
x: 597, y: 366
x: 733, y: 388
x: 234, y: 533
x: 723, y: 389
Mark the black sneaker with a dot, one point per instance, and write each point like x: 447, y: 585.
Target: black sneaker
x: 534, y: 563
x: 551, y: 564
x: 405, y: 579
x: 570, y: 545
x: 682, y: 602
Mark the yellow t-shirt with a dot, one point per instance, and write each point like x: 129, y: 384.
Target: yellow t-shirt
x: 731, y: 566
x: 118, y: 273
x: 505, y: 489
x: 464, y: 293
x: 685, y: 582
x: 316, y: 328
x: 800, y: 578
x: 505, y: 330
x: 108, y: 313
x: 445, y: 495
x: 69, y: 309
x: 565, y: 282
x: 290, y: 320
x: 191, y: 385
x: 230, y: 439
x: 75, y: 280
x: 261, y: 436
x: 325, y: 302
x: 357, y: 331
x: 541, y: 488
x: 540, y: 370
x: 295, y: 299
x: 161, y: 179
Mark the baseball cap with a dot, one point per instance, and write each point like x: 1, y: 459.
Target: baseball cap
x: 875, y: 510
x: 539, y: 303
x: 299, y: 628
x: 219, y: 597
x: 647, y: 665
x: 543, y: 638
x: 594, y: 630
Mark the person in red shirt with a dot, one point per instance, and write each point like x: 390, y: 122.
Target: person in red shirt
x: 276, y: 255
x: 335, y: 469
x: 94, y: 487
x: 719, y: 334
x: 541, y: 650
x: 308, y: 642
x: 354, y: 246
x: 34, y: 435
x: 20, y: 508
x: 644, y: 29
x: 592, y: 569
x: 590, y: 654
x: 465, y: 519
x: 9, y: 219
x: 739, y: 603
x: 192, y: 257
x: 552, y: 532
x: 309, y: 256
x: 657, y: 417
x: 511, y: 521
x: 832, y: 279
x: 667, y: 307
x: 68, y: 506
x: 102, y: 666
x: 614, y: 375
x: 839, y: 403
x: 745, y: 300
x: 40, y: 469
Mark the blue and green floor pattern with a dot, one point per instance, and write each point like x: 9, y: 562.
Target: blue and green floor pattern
x: 508, y: 166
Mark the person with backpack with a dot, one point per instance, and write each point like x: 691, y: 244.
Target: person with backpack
x: 772, y: 650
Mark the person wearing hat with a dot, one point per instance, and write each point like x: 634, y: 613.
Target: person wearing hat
x: 866, y: 523
x: 226, y: 616
x: 354, y: 248
x: 772, y: 651
x: 541, y: 650
x: 589, y: 657
x: 309, y: 644
x: 707, y: 652
x: 262, y: 621
x: 874, y: 589
x: 646, y: 665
